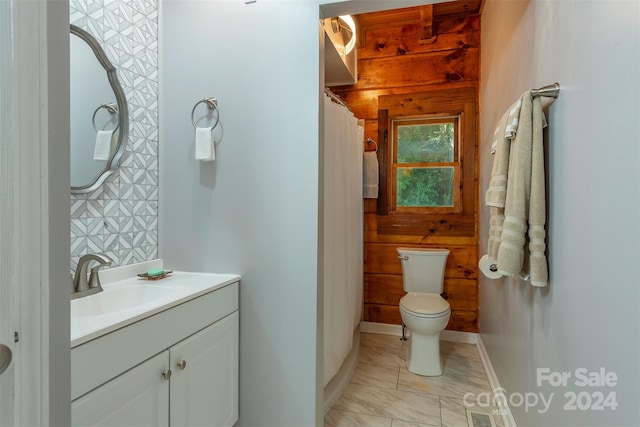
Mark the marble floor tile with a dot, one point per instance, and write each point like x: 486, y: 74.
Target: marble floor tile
x: 375, y: 375
x: 337, y: 418
x: 468, y: 352
x: 398, y: 423
x: 383, y: 393
x: 395, y: 404
x: 383, y: 356
x: 461, y: 356
x: 454, y: 412
x: 380, y: 340
x: 448, y: 385
x: 463, y: 373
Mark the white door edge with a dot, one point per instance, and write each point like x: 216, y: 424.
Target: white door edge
x: 28, y: 257
x: 7, y: 215
x: 42, y: 212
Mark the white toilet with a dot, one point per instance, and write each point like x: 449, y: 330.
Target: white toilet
x: 423, y: 310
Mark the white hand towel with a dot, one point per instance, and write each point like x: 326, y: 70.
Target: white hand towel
x: 205, y: 148
x: 370, y: 177
x: 102, y: 150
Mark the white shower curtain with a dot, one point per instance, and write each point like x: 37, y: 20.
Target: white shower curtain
x: 343, y: 233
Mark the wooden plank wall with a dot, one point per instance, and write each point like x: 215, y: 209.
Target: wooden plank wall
x: 391, y: 60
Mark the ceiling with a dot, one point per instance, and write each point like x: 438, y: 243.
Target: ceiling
x: 414, y: 15
x: 341, y: 70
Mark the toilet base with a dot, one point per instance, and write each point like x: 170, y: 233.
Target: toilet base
x: 424, y: 355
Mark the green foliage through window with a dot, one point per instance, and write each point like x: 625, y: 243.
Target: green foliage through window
x: 425, y: 143
x: 425, y: 187
x: 429, y: 147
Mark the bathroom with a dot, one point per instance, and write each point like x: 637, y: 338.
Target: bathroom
x: 256, y: 211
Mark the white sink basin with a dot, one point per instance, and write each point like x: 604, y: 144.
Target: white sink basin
x: 128, y: 299
x: 114, y: 300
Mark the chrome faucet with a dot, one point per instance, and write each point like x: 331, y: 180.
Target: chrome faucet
x: 82, y: 287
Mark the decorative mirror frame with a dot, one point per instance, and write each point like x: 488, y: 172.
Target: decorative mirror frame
x: 123, y: 112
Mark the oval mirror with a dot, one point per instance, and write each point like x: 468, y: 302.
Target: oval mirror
x: 99, y: 114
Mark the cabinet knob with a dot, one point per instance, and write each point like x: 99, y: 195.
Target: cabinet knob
x: 182, y: 364
x: 166, y: 374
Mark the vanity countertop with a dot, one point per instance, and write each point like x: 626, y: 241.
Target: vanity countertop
x: 127, y: 298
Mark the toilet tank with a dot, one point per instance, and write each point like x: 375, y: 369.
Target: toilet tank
x: 423, y: 269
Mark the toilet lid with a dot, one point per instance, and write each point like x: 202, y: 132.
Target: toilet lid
x: 424, y: 304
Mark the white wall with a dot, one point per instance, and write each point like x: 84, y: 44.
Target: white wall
x: 254, y: 211
x: 589, y: 315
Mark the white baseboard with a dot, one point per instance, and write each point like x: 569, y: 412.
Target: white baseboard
x: 381, y: 328
x: 387, y: 329
x: 503, y: 406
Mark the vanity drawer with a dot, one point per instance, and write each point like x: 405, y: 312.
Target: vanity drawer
x: 95, y: 362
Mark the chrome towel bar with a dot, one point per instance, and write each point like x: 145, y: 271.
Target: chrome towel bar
x: 550, y: 91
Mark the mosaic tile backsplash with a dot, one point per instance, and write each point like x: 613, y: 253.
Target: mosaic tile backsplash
x: 120, y: 218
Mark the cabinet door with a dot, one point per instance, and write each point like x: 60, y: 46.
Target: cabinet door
x: 139, y: 397
x: 204, y: 385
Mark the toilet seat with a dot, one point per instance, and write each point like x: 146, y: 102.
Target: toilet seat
x: 425, y: 305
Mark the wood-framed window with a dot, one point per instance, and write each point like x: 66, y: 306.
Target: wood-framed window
x: 442, y: 154
x: 425, y: 167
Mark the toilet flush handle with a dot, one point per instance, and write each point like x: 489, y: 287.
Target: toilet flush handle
x: 403, y: 257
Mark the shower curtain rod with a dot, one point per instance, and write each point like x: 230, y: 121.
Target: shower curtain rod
x: 549, y: 91
x: 335, y: 98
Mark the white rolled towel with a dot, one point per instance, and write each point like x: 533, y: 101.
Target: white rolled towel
x: 205, y: 148
x: 104, y: 142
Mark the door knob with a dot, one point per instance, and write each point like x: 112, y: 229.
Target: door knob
x: 181, y: 364
x: 166, y: 374
x: 5, y: 357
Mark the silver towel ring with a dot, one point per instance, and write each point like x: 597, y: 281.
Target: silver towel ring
x: 371, y: 141
x: 112, y: 108
x: 212, y: 103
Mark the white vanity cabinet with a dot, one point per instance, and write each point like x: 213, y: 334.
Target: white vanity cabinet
x: 204, y: 384
x: 178, y: 367
x: 136, y: 398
